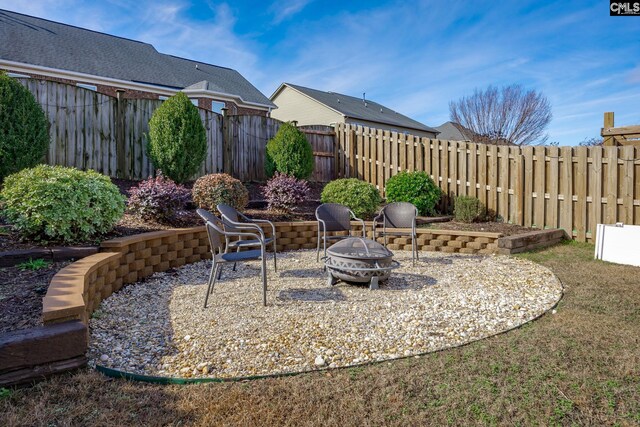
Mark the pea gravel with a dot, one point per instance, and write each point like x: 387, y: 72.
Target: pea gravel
x: 159, y: 326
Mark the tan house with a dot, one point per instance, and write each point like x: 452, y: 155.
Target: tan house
x: 314, y: 107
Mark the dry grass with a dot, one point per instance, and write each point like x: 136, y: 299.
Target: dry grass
x: 580, y: 366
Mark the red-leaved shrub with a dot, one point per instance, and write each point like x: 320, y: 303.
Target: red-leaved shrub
x: 158, y: 198
x: 284, y: 192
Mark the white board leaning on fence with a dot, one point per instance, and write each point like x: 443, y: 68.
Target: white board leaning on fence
x: 618, y: 243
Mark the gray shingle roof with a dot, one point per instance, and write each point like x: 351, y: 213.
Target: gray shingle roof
x: 451, y: 131
x: 30, y: 40
x: 356, y: 108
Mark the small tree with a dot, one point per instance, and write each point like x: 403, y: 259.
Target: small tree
x: 177, y: 139
x: 289, y: 153
x: 510, y: 115
x: 24, y: 129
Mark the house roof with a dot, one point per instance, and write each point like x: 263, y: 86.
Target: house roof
x: 452, y: 131
x: 357, y: 108
x: 36, y: 41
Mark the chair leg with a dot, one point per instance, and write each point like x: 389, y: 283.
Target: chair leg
x: 234, y: 264
x: 414, y: 250
x: 212, y: 283
x: 415, y: 244
x: 220, y: 272
x: 318, y: 248
x: 264, y: 279
x: 275, y: 263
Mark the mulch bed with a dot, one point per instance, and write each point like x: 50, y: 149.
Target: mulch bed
x: 21, y: 293
x: 488, y: 227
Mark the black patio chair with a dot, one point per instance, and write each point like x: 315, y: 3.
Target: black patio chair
x: 234, y: 221
x: 220, y: 253
x: 334, y: 217
x: 398, y: 219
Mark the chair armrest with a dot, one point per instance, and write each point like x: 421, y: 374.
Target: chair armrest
x: 364, y: 230
x: 264, y: 221
x: 243, y: 225
x: 241, y: 234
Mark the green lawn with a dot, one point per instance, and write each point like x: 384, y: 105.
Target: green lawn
x: 579, y: 366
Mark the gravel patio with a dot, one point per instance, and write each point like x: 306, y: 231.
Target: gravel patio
x: 158, y: 327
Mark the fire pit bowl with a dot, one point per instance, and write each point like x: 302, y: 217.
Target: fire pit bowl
x: 359, y: 260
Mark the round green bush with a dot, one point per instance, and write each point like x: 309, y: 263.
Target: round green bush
x: 361, y: 197
x: 289, y: 153
x: 177, y: 139
x: 414, y: 187
x: 55, y: 203
x: 468, y: 209
x: 209, y: 190
x: 24, y: 129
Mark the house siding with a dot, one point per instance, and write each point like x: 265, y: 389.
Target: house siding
x: 292, y: 105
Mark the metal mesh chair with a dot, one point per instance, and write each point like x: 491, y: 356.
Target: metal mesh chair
x: 395, y: 217
x: 220, y: 254
x: 231, y: 219
x: 334, y: 217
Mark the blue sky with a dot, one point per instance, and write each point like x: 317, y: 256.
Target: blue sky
x: 414, y: 57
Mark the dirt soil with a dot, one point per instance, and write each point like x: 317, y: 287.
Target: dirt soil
x: 21, y: 293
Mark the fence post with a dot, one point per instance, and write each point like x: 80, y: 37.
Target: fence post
x: 121, y: 156
x: 608, y: 123
x: 227, y: 159
x: 336, y: 152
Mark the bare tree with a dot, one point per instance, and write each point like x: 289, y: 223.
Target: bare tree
x: 592, y: 142
x: 510, y: 115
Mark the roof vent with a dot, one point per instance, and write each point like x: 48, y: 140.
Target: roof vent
x: 197, y: 67
x: 381, y: 110
x: 338, y: 100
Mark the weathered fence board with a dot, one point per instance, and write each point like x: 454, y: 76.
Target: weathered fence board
x: 573, y: 188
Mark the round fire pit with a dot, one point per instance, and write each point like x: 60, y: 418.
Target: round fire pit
x: 359, y: 260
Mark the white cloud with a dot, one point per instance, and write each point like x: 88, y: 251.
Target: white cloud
x: 283, y: 10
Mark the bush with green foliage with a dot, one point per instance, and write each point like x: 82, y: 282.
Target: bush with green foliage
x: 361, y: 197
x: 24, y: 129
x: 468, y: 209
x: 177, y: 139
x: 209, y: 190
x: 289, y: 153
x: 55, y: 203
x: 158, y: 198
x: 414, y: 187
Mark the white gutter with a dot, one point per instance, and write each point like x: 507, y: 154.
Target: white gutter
x: 23, y: 68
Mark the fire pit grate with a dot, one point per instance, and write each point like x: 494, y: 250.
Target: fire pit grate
x: 359, y: 260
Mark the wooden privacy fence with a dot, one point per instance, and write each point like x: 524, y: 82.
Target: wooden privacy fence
x: 249, y: 136
x: 573, y: 188
x: 90, y: 130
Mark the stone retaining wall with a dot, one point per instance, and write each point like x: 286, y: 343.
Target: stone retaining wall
x: 77, y: 290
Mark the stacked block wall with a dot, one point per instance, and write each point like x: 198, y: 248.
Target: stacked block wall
x: 77, y: 290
